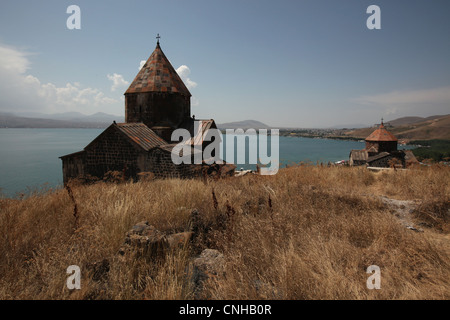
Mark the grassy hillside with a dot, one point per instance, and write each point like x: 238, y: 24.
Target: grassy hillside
x: 412, y: 120
x: 432, y: 128
x: 437, y: 150
x: 306, y: 233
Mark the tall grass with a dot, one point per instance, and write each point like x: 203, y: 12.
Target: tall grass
x: 308, y: 232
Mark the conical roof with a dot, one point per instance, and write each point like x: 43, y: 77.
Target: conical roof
x: 381, y: 134
x: 158, y: 75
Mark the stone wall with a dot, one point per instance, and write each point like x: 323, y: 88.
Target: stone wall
x: 356, y: 162
x: 381, y: 163
x: 112, y: 152
x: 73, y: 166
x: 382, y: 146
x: 160, y: 163
x: 157, y: 109
x: 386, y: 162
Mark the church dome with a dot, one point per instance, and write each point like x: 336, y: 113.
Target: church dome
x: 158, y: 75
x: 381, y: 134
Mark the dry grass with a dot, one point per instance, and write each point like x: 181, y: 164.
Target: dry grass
x: 306, y: 233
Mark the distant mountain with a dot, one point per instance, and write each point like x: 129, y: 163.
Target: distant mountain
x: 74, y: 116
x: 53, y: 116
x: 349, y: 126
x: 96, y: 120
x: 413, y: 128
x: 404, y: 121
x: 101, y: 116
x: 61, y: 120
x: 246, y: 124
x: 410, y: 120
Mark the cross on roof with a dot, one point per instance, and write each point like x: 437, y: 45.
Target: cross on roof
x: 157, y: 38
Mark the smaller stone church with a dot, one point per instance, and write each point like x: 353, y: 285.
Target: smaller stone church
x: 156, y: 103
x: 381, y: 151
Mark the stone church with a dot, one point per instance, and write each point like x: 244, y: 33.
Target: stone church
x: 381, y: 151
x: 156, y: 103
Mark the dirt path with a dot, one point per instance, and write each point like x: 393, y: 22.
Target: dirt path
x: 403, y: 210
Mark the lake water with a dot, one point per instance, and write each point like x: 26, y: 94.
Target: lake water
x: 29, y: 158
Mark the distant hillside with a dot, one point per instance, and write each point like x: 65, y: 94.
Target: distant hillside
x: 348, y: 126
x: 63, y: 120
x: 404, y: 121
x: 410, y: 120
x: 413, y: 128
x: 97, y: 120
x: 246, y: 124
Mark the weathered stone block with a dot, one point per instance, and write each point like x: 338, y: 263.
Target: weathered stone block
x: 146, y: 241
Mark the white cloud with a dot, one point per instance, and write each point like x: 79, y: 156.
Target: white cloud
x: 194, y: 102
x: 408, y: 102
x: 13, y: 60
x: 141, y: 64
x: 20, y: 91
x: 118, y: 81
x: 184, y: 72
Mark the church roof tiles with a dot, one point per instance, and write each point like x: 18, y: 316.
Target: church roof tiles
x: 158, y: 75
x: 140, y: 134
x: 381, y: 134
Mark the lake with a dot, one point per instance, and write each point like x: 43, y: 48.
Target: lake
x: 30, y: 157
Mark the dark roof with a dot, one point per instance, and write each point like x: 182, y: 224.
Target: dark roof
x: 378, y: 156
x: 201, y: 125
x: 381, y: 134
x: 158, y: 75
x: 169, y: 148
x: 75, y: 154
x: 142, y: 135
x: 138, y: 133
x: 359, y: 155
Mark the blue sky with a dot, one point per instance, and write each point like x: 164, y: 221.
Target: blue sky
x: 311, y: 63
